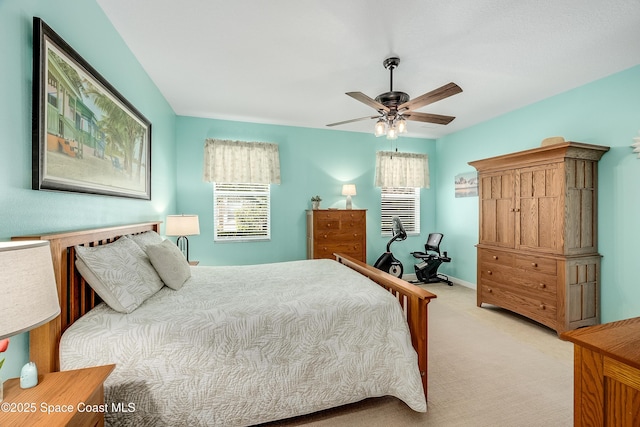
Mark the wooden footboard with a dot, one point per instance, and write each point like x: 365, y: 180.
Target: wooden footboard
x: 414, y: 301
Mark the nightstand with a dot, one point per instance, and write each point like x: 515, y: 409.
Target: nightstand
x: 60, y: 398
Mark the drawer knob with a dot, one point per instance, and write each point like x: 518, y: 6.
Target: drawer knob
x: 489, y: 290
x: 325, y: 236
x: 534, y: 264
x: 495, y: 257
x: 489, y: 272
x: 542, y: 286
x: 542, y: 306
x: 355, y: 234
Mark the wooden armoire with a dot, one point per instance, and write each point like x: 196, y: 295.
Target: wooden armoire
x: 537, y: 251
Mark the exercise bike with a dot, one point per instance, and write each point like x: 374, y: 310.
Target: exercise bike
x: 430, y: 260
x: 387, y: 262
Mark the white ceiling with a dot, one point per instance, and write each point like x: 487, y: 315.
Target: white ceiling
x: 291, y: 61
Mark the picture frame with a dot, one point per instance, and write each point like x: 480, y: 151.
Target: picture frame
x: 466, y: 184
x: 87, y: 137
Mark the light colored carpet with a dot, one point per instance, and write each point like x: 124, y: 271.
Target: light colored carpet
x: 487, y: 367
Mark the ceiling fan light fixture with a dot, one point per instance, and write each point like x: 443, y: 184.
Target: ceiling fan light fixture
x: 401, y: 124
x: 380, y: 128
x: 392, y: 133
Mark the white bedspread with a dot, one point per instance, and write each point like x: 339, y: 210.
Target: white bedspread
x: 249, y: 344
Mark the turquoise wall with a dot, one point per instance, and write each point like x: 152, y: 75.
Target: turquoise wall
x: 312, y: 161
x: 605, y: 112
x: 84, y: 26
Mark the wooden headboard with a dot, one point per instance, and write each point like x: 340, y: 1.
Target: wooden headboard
x: 74, y: 294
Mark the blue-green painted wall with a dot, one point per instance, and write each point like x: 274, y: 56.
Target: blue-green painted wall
x: 312, y: 161
x: 605, y: 112
x: 84, y: 26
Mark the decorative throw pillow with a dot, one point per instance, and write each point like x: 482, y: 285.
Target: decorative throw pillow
x: 145, y: 239
x: 170, y: 264
x: 119, y: 272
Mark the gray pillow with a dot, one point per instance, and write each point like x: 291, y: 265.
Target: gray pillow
x: 145, y: 239
x: 120, y: 272
x: 170, y: 264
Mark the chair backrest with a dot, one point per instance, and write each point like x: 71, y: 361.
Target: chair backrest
x: 433, y: 242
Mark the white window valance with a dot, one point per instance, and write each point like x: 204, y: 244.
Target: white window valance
x: 241, y: 162
x: 394, y: 169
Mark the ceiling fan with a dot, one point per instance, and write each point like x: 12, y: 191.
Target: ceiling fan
x: 395, y: 108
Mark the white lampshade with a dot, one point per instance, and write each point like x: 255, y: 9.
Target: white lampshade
x: 349, y: 190
x: 28, y: 291
x: 182, y: 225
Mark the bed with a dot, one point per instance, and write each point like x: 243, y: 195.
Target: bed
x: 324, y: 362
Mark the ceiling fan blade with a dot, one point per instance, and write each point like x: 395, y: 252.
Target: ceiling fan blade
x: 428, y: 118
x: 352, y: 120
x: 443, y: 92
x: 367, y: 100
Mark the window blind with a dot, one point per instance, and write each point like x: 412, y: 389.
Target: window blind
x: 403, y: 202
x: 241, y: 211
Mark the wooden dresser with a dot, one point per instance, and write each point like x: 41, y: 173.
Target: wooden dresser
x: 337, y: 230
x: 537, y: 250
x: 606, y: 376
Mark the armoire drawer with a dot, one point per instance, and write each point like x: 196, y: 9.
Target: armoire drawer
x: 496, y: 257
x: 540, y: 309
x: 533, y: 263
x: 513, y: 278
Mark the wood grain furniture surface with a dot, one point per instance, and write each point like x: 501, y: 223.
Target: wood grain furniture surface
x: 68, y: 398
x: 77, y: 298
x: 607, y: 374
x: 537, y: 251
x: 332, y: 231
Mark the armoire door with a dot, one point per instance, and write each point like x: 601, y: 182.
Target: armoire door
x: 539, y: 212
x: 497, y: 212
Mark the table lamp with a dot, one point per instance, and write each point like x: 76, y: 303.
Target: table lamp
x: 349, y: 190
x: 29, y: 295
x: 183, y: 226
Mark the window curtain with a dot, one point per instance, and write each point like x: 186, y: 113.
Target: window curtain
x: 241, y: 162
x: 394, y: 169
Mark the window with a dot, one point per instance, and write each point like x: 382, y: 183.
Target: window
x: 241, y: 212
x: 403, y: 202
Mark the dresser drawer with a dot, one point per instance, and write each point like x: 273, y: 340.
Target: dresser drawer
x: 341, y: 235
x: 326, y: 251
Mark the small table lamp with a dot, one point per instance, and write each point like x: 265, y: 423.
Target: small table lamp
x: 349, y: 190
x: 29, y: 295
x: 183, y: 226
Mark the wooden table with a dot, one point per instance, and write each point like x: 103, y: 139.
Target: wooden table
x: 607, y: 374
x: 68, y: 398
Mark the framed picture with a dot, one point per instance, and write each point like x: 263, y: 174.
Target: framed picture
x: 86, y: 137
x: 467, y: 184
